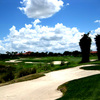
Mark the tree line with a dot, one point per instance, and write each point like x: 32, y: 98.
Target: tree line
x: 38, y: 54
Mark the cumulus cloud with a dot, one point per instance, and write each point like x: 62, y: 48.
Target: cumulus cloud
x: 35, y: 37
x: 97, y: 21
x: 41, y: 8
x: 97, y: 31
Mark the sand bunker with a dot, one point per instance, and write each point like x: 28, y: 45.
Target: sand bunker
x: 44, y: 88
x: 29, y: 62
x: 93, y: 59
x: 12, y: 61
x: 33, y: 62
x: 58, y: 62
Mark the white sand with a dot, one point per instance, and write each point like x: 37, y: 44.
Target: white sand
x: 33, y: 62
x: 44, y: 88
x: 93, y: 59
x: 12, y: 61
x: 28, y: 62
x: 58, y: 62
x: 66, y: 62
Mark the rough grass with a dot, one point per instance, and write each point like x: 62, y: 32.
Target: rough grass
x: 24, y: 78
x: 81, y: 89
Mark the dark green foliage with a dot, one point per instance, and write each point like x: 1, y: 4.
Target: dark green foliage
x: 85, y: 43
x: 62, y: 63
x: 97, y: 39
x: 67, y: 53
x: 26, y: 71
x: 82, y: 89
x: 97, y: 67
x: 8, y: 76
x: 6, y: 73
x: 76, y: 53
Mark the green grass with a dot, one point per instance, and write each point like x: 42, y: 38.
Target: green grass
x: 96, y: 67
x: 21, y: 69
x: 41, y: 65
x: 81, y: 89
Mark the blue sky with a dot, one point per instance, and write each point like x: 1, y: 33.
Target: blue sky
x: 71, y: 18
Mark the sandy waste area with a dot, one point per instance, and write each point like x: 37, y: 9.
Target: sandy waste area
x: 44, y: 88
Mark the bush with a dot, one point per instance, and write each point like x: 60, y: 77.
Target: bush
x: 6, y: 73
x: 62, y: 63
x: 51, y: 64
x: 6, y: 77
x: 9, y: 76
x: 26, y: 71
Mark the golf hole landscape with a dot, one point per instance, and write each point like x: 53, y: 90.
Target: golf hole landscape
x: 50, y: 50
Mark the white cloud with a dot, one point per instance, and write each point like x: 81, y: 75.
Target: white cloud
x: 2, y: 47
x: 67, y: 4
x: 97, y: 21
x: 97, y: 31
x: 41, y: 8
x: 36, y: 22
x: 34, y: 37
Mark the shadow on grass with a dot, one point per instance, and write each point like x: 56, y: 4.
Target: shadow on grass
x: 96, y: 67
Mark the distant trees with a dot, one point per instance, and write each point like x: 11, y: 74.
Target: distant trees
x: 97, y: 39
x: 85, y: 43
x: 67, y: 53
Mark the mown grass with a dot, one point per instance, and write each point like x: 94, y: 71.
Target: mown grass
x: 81, y: 89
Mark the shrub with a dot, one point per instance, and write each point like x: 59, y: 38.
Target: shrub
x: 6, y: 73
x: 62, y: 63
x: 51, y: 64
x: 26, y: 71
x: 6, y: 77
x: 9, y: 76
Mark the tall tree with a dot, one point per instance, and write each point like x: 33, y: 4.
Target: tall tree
x: 97, y: 39
x: 85, y: 43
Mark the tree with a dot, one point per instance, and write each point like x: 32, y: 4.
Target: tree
x: 85, y: 43
x: 97, y: 39
x: 67, y: 53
